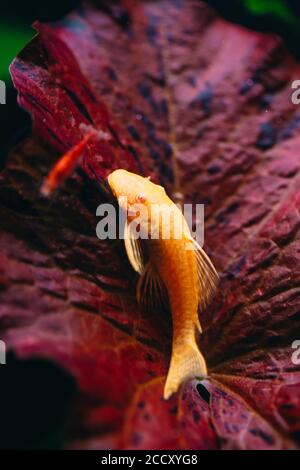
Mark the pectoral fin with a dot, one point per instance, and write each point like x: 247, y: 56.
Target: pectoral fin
x: 151, y: 292
x: 134, y: 250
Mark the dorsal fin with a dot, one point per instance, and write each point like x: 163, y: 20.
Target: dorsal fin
x: 208, y: 277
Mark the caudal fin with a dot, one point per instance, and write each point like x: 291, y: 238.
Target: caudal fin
x: 186, y: 363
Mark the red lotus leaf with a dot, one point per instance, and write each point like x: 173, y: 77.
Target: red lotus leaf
x: 205, y: 106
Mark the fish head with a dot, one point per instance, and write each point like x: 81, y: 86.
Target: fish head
x: 145, y: 202
x: 134, y: 189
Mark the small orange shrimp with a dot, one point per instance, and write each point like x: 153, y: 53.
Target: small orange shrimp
x: 69, y: 161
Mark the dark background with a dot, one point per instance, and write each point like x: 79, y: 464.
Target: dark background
x: 33, y: 385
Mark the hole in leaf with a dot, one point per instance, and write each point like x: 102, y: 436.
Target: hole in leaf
x: 203, y: 392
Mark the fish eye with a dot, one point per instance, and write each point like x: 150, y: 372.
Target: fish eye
x: 141, y: 197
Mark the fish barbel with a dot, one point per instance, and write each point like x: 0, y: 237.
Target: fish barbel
x: 170, y: 263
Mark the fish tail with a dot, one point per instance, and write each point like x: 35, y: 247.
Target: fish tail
x: 187, y: 362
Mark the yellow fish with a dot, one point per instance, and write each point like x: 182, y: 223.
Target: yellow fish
x: 169, y: 265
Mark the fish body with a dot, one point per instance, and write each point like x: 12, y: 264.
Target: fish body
x: 170, y: 263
